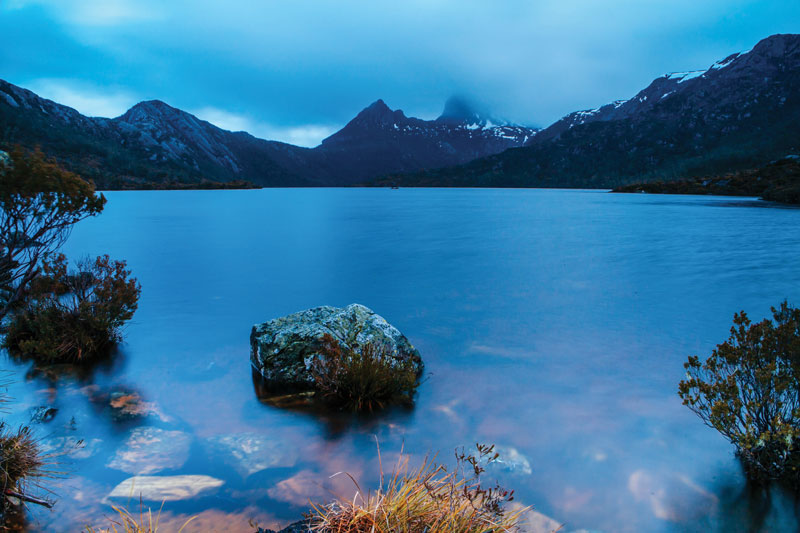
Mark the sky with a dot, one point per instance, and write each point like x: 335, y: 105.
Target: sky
x: 298, y: 70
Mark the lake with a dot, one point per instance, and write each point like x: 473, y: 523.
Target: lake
x: 552, y: 323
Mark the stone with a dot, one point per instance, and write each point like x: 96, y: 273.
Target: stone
x: 149, y: 450
x: 298, y: 527
x: 129, y: 405
x: 42, y: 414
x: 284, y: 349
x: 511, y: 460
x: 165, y: 488
x: 71, y: 447
x: 249, y: 453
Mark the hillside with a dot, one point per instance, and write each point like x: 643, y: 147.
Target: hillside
x: 740, y: 113
x: 154, y: 143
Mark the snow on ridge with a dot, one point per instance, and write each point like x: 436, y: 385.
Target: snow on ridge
x: 685, y: 76
x: 725, y: 62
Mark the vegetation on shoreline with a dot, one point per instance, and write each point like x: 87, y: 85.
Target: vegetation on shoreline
x: 778, y: 181
x: 749, y: 391
x: 54, y: 314
x: 429, y: 498
x: 127, y: 522
x: 365, y: 379
x: 47, y: 311
x: 131, y: 185
x: 73, y: 315
x: 39, y: 204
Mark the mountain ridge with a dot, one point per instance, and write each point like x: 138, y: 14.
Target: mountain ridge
x: 739, y: 113
x: 153, y: 142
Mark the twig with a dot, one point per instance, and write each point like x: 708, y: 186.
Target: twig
x: 29, y: 499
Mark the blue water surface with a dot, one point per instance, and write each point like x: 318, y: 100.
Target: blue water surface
x: 552, y: 323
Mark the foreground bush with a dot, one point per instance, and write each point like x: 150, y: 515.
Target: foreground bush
x: 428, y: 499
x: 39, y: 204
x: 363, y: 379
x: 749, y: 391
x: 73, y: 315
x: 22, y: 467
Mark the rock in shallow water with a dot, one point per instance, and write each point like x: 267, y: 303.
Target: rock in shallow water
x: 283, y: 349
x: 71, y: 447
x: 149, y: 450
x: 165, y: 488
x: 249, y: 453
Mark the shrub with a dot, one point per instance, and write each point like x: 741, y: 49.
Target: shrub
x: 73, y: 316
x: 39, y: 204
x: 364, y: 378
x: 749, y: 391
x: 430, y: 498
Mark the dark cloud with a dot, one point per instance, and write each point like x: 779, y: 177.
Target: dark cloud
x: 280, y: 66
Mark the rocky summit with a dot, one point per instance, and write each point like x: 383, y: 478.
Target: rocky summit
x: 283, y: 350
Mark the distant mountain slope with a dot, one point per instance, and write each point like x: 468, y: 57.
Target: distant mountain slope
x: 154, y: 143
x: 740, y: 113
x: 379, y: 140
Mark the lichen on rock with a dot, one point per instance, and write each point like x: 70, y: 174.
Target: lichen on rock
x: 283, y: 349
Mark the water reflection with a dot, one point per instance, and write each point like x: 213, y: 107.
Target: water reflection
x: 552, y: 323
x: 333, y: 423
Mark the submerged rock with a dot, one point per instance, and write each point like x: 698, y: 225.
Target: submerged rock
x: 283, y: 349
x: 149, y: 450
x: 165, y: 488
x: 124, y: 404
x: 71, y: 447
x: 42, y: 414
x: 511, y: 460
x: 249, y: 453
x: 129, y: 405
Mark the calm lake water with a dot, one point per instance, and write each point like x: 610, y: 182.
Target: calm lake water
x: 553, y: 324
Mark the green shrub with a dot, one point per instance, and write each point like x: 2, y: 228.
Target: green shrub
x: 364, y: 378
x: 39, y: 204
x: 73, y: 316
x: 749, y: 391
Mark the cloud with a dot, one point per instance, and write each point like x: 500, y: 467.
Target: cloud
x: 304, y: 135
x: 97, y: 12
x: 308, y: 64
x: 87, y: 99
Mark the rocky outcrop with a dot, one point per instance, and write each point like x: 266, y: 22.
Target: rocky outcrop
x: 284, y: 349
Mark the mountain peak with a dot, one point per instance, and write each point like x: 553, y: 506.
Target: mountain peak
x: 149, y: 109
x: 380, y: 111
x: 458, y: 110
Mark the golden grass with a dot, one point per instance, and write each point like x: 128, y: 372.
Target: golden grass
x: 430, y: 499
x: 127, y: 522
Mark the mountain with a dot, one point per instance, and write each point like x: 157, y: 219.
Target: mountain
x: 742, y: 112
x: 154, y: 143
x: 380, y: 141
x: 151, y: 142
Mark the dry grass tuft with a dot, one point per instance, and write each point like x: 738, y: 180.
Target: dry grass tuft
x: 363, y: 379
x: 127, y: 522
x: 430, y: 499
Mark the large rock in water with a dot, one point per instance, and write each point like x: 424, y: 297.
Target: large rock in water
x: 283, y: 349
